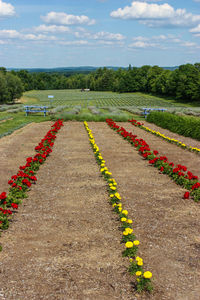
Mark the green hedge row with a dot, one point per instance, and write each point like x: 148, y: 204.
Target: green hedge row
x: 183, y: 125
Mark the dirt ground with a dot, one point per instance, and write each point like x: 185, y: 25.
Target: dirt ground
x: 64, y: 241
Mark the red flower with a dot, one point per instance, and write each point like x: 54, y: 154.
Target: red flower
x: 14, y: 205
x: 186, y: 195
x: 155, y: 152
x: 162, y: 169
x: 3, y: 196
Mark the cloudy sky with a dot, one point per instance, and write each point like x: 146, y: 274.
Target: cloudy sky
x: 49, y: 33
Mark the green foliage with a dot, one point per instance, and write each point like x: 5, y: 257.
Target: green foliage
x: 183, y: 125
x: 11, y: 86
x: 182, y: 83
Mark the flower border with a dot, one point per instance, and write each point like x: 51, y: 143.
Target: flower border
x: 178, y: 173
x: 22, y: 181
x: 168, y: 139
x: 143, y: 279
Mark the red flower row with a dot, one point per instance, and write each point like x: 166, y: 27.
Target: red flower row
x: 22, y: 181
x: 187, y: 180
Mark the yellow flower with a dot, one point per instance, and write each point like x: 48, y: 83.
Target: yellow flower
x: 125, y: 232
x: 147, y: 274
x: 102, y: 165
x: 138, y: 258
x: 136, y: 242
x: 131, y: 260
x: 120, y: 209
x: 111, y: 195
x: 138, y: 273
x: 129, y: 221
x: 125, y: 212
x: 140, y: 263
x: 113, y: 188
x: 119, y: 204
x: 118, y: 196
x: 129, y: 244
x: 123, y: 219
x: 114, y: 204
x: 102, y: 169
x: 129, y: 230
x: 138, y: 280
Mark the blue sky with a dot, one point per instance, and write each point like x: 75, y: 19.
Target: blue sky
x: 49, y: 33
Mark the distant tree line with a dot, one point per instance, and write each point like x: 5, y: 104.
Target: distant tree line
x: 182, y: 83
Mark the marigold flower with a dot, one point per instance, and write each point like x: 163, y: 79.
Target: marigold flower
x: 129, y: 230
x: 111, y: 195
x: 140, y: 263
x: 138, y: 258
x: 118, y: 196
x: 123, y: 219
x: 129, y: 221
x: 147, y: 274
x: 125, y: 212
x: 129, y: 244
x: 136, y: 242
x: 125, y: 232
x: 113, y: 188
x: 138, y: 273
x: 120, y: 209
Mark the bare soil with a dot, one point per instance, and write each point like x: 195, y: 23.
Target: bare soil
x: 64, y: 241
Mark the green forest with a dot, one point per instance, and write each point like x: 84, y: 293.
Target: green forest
x: 182, y: 83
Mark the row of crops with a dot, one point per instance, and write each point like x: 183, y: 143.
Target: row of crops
x: 76, y: 97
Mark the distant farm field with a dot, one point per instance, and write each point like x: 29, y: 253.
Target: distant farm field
x: 98, y: 99
x: 80, y: 106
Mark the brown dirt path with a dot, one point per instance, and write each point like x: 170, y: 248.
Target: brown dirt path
x: 64, y: 242
x: 15, y: 148
x: 174, y: 153
x: 167, y: 225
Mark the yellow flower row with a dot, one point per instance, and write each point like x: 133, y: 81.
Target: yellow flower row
x: 193, y: 149
x: 113, y: 194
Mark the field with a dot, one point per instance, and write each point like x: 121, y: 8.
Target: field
x: 65, y: 240
x: 80, y: 106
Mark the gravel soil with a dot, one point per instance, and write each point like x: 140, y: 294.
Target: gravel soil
x: 64, y: 241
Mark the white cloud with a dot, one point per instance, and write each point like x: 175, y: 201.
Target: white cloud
x: 13, y: 34
x: 101, y: 35
x: 142, y: 44
x: 9, y: 34
x: 196, y: 29
x: 75, y: 43
x: 66, y: 19
x: 6, y: 9
x: 39, y: 37
x: 52, y: 28
x: 152, y: 15
x: 188, y: 44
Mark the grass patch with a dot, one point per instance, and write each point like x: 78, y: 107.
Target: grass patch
x: 19, y: 120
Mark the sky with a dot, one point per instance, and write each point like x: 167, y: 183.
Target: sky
x: 66, y: 33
